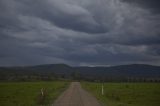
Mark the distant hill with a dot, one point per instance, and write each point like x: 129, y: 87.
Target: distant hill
x: 52, y: 68
x: 121, y: 72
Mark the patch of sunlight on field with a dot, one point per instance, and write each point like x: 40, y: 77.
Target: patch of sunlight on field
x: 126, y: 94
x: 28, y: 93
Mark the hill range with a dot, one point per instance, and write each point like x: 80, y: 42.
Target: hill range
x: 121, y: 72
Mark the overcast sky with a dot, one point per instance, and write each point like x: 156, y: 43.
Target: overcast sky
x: 79, y: 32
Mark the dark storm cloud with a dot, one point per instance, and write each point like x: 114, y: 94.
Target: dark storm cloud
x: 154, y: 50
x: 63, y: 15
x: 79, y: 32
x: 154, y: 5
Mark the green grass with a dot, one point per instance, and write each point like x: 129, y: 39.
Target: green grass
x: 126, y: 94
x: 29, y: 93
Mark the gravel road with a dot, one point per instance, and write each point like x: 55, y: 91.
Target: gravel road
x: 76, y: 96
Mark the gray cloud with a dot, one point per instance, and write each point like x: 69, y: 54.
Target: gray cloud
x: 154, y: 6
x: 64, y: 14
x: 79, y: 32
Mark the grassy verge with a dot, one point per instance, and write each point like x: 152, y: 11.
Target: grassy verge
x: 29, y: 93
x: 126, y: 94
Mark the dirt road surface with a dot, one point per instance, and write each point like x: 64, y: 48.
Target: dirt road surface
x: 76, y: 96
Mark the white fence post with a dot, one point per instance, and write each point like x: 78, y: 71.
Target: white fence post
x: 42, y: 92
x: 102, y: 90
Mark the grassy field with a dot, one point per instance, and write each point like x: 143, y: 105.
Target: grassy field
x: 126, y: 94
x: 29, y: 93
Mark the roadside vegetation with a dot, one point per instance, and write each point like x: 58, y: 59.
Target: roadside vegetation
x: 30, y: 93
x: 125, y: 94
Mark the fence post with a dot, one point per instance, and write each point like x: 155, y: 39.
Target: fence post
x: 42, y: 92
x: 102, y: 89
